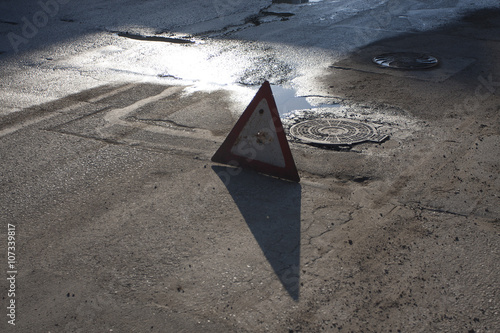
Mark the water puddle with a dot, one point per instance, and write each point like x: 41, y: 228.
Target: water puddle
x: 287, y: 101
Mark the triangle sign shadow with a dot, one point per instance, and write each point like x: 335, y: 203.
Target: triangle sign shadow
x: 257, y: 140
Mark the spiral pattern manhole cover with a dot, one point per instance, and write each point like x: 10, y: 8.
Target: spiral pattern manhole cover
x: 406, y: 60
x: 331, y: 131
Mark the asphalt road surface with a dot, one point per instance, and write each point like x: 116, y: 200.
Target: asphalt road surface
x: 114, y: 218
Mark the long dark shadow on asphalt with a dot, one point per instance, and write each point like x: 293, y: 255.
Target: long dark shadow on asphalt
x: 271, y: 209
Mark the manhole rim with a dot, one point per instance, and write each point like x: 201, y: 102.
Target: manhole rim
x: 428, y: 61
x: 370, y: 132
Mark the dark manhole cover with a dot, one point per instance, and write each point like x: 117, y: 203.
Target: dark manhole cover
x: 338, y: 132
x: 406, y: 60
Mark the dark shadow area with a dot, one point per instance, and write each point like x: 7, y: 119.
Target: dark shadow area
x: 466, y: 74
x: 271, y: 209
x: 449, y: 41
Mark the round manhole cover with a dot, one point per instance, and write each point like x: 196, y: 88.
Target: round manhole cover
x: 331, y: 131
x: 406, y: 60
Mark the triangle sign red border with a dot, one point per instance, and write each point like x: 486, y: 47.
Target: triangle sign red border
x: 257, y: 140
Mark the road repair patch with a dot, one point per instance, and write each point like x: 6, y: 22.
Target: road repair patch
x: 363, y: 62
x: 157, y: 116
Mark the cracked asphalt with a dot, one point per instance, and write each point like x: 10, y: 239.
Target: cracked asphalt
x: 123, y: 224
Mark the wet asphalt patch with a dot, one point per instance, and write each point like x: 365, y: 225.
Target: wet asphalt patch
x: 270, y: 69
x: 257, y: 18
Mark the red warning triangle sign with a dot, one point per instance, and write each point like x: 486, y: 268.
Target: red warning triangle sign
x: 258, y: 140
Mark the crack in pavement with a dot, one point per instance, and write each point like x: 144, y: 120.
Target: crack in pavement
x: 441, y: 211
x: 155, y: 121
x: 250, y: 21
x: 153, y: 38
